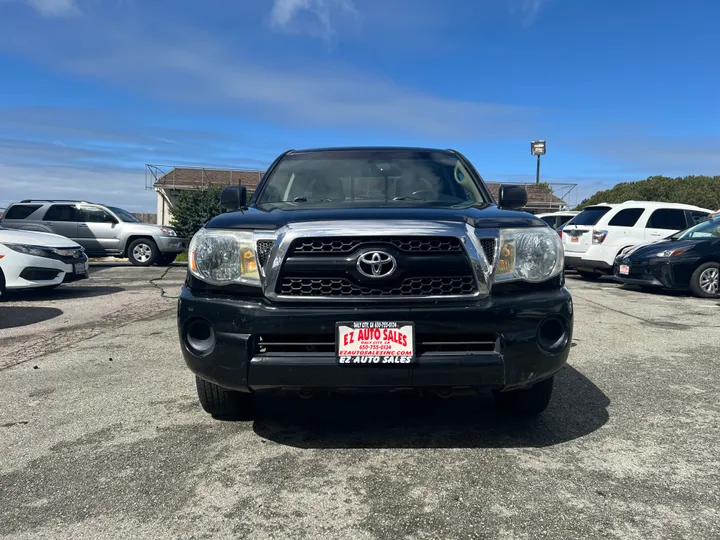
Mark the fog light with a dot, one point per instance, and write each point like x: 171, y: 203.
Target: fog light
x: 199, y: 337
x: 552, y: 336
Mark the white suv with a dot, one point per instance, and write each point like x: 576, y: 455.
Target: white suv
x: 594, y: 237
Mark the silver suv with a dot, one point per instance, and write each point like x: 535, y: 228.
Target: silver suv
x: 102, y: 230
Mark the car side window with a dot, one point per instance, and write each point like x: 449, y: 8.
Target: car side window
x: 699, y: 217
x: 94, y: 214
x: 626, y: 218
x: 668, y: 218
x: 21, y: 211
x: 62, y: 212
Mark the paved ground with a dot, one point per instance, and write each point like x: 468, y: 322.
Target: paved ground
x: 101, y: 435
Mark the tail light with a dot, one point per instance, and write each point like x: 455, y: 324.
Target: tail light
x: 598, y: 237
x: 560, y: 233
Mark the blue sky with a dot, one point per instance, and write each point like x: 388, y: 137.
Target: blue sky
x: 91, y: 90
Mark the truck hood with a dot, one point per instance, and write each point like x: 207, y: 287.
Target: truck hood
x: 480, y: 216
x: 10, y: 236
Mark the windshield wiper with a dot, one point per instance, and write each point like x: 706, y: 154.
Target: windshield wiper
x: 305, y: 199
x: 407, y: 199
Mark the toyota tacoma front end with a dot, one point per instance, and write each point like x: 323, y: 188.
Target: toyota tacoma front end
x: 374, y: 268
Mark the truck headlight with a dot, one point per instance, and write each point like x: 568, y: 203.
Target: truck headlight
x: 168, y: 232
x: 223, y: 257
x: 532, y: 255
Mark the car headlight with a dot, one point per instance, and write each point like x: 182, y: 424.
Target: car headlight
x: 223, y: 257
x: 671, y: 252
x: 168, y: 232
x: 29, y: 250
x: 533, y: 255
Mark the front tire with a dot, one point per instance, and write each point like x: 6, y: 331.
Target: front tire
x: 527, y: 401
x: 590, y: 276
x: 223, y: 403
x: 705, y: 281
x: 143, y: 252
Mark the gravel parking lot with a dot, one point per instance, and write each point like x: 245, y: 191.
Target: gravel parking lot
x: 101, y: 434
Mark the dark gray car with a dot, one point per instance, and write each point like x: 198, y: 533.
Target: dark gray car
x: 102, y: 230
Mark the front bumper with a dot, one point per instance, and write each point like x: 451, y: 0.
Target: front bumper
x: 171, y: 244
x: 651, y: 273
x: 31, y: 272
x: 516, y: 360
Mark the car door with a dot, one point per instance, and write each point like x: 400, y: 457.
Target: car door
x: 62, y: 219
x: 663, y: 222
x: 98, y: 230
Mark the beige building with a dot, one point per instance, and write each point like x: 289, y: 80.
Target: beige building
x: 168, y: 185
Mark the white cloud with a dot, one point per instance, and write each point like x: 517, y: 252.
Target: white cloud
x: 52, y: 8
x: 315, y: 17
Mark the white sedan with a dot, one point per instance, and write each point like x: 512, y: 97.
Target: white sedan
x: 32, y: 260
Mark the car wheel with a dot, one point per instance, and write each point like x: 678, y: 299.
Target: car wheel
x: 143, y: 252
x: 590, y: 276
x: 223, y: 403
x: 705, y: 281
x: 166, y: 259
x: 527, y: 401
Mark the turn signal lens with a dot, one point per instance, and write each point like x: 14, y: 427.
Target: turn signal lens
x: 248, y: 263
x: 506, y: 262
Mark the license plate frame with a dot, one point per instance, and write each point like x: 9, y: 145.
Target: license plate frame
x: 624, y: 270
x: 79, y: 268
x: 385, y: 341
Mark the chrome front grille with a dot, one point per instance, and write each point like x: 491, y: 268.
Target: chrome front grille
x: 339, y: 287
x: 325, y: 260
x: 407, y: 244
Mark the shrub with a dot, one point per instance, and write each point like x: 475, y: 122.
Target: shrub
x: 194, y: 208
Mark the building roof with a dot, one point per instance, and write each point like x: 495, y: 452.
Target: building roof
x: 196, y: 177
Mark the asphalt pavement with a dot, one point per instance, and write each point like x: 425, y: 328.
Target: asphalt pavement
x: 101, y: 434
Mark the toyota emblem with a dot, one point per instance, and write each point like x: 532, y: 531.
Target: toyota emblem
x: 376, y: 264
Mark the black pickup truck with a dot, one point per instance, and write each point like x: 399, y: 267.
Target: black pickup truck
x: 374, y: 268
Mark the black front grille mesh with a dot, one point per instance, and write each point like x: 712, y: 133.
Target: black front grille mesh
x: 263, y: 250
x: 341, y: 287
x: 488, y: 245
x: 410, y: 244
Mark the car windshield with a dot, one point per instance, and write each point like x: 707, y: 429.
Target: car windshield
x: 590, y: 216
x: 706, y: 229
x: 340, y: 179
x: 124, y: 215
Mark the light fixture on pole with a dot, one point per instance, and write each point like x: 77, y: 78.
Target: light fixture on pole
x: 537, y: 148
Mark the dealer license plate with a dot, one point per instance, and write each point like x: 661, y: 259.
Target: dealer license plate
x: 624, y: 269
x: 375, y: 343
x: 80, y: 268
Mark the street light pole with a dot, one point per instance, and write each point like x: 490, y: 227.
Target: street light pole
x: 537, y: 148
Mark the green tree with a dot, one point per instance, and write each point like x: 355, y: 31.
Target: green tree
x: 702, y: 191
x: 194, y: 208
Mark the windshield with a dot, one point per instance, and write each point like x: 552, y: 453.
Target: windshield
x: 124, y: 215
x: 339, y: 179
x: 706, y: 229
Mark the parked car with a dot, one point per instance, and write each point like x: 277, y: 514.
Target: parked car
x: 102, y: 230
x: 597, y: 235
x: 375, y: 268
x: 33, y: 260
x: 688, y: 260
x: 558, y: 219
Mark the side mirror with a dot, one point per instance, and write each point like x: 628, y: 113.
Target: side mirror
x: 512, y: 197
x: 233, y: 197
x: 110, y: 219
